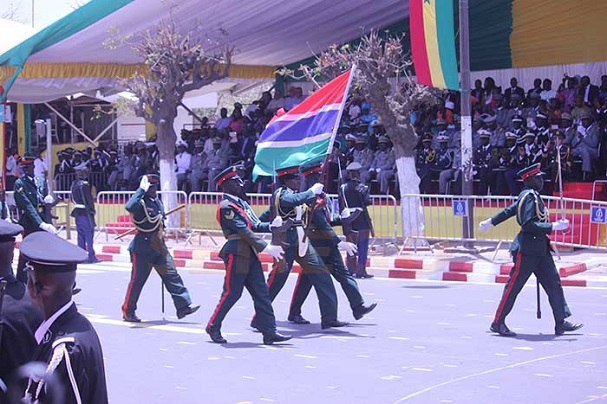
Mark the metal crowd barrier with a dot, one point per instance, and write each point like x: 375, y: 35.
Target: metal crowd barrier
x: 98, y: 180
x: 441, y: 217
x: 62, y: 210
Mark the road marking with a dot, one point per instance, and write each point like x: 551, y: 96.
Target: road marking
x: 422, y: 369
x: 494, y: 370
x: 305, y: 356
x: 159, y: 327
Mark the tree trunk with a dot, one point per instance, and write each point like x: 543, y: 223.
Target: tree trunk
x: 412, y: 212
x: 165, y: 141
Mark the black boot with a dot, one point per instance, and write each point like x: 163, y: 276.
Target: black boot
x: 297, y: 319
x: 502, y: 330
x: 269, y: 339
x: 565, y: 326
x: 215, y: 334
x: 362, y: 310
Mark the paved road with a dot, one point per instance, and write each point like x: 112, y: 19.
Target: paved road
x: 425, y: 343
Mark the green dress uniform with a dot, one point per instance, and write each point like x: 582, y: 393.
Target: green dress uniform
x: 324, y: 240
x: 29, y: 199
x: 243, y: 268
x: 531, y: 252
x: 286, y: 201
x: 148, y: 250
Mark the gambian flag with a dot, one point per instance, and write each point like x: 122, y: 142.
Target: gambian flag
x: 305, y: 133
x: 433, y: 43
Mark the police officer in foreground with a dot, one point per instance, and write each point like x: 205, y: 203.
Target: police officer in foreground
x: 531, y: 253
x: 68, y: 345
x: 84, y: 211
x: 19, y: 318
x: 148, y: 250
x: 354, y: 195
x: 240, y: 255
x: 327, y: 244
x: 30, y: 198
x: 287, y: 203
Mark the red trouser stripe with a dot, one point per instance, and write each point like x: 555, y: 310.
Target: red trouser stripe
x: 512, y: 281
x: 130, y: 288
x: 226, y: 292
x: 273, y: 273
x: 295, y: 289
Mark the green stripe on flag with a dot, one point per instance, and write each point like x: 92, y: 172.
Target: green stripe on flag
x: 269, y: 158
x: 446, y: 43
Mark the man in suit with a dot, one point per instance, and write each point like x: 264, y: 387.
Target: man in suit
x: 327, y: 243
x: 30, y: 197
x: 67, y: 342
x: 588, y: 91
x: 148, y: 250
x: 514, y: 89
x: 531, y: 253
x: 19, y: 317
x: 240, y: 254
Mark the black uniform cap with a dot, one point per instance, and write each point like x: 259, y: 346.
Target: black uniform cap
x: 312, y: 167
x: 229, y: 173
x: 8, y: 231
x: 49, y: 252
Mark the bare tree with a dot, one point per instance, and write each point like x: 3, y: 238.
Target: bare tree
x: 379, y: 62
x: 177, y: 62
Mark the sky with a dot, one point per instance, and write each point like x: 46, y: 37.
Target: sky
x: 45, y: 11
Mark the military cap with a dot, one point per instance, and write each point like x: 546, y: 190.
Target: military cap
x: 443, y: 139
x: 529, y: 135
x: 216, y: 140
x: 199, y: 143
x: 484, y: 133
x: 427, y: 138
x: 310, y: 168
x: 360, y: 139
x: 77, y: 153
x: 488, y: 118
x: 354, y: 166
x: 113, y: 152
x: 449, y: 105
x: 351, y: 137
x: 27, y: 159
x: 49, y: 252
x: 227, y: 174
x: 383, y: 139
x: 8, y: 231
x: 566, y: 116
x: 153, y: 178
x: 541, y: 116
x: 521, y: 141
x: 517, y: 118
x: 511, y: 136
x: 287, y: 172
x: 533, y: 170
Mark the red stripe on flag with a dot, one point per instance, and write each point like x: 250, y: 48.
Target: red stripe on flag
x: 418, y: 42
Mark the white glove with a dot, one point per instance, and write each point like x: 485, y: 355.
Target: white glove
x: 277, y: 222
x: 485, y: 225
x: 48, y: 227
x: 8, y: 219
x: 562, y: 224
x: 48, y: 200
x: 349, y: 248
x: 345, y: 213
x: 145, y: 183
x: 317, y: 188
x: 275, y: 251
x: 378, y: 170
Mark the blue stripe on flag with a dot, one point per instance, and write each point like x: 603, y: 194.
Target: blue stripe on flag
x: 298, y: 130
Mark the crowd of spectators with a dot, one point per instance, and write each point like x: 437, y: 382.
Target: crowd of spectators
x: 512, y: 128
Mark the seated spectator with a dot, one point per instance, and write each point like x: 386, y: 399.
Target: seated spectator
x: 585, y: 143
x: 383, y: 166
x: 183, y: 159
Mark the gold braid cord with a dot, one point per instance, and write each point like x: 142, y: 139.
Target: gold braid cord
x: 541, y: 215
x: 291, y: 214
x: 156, y: 221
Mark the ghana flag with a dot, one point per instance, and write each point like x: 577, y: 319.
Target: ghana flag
x: 433, y: 43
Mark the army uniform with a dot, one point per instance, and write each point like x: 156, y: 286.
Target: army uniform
x: 531, y: 252
x: 243, y: 269
x: 364, y: 157
x: 483, y: 164
x: 67, y: 342
x: 148, y: 250
x: 325, y: 241
x: 84, y: 212
x: 286, y: 203
x: 196, y: 172
x: 19, y: 317
x: 384, y: 165
x: 29, y: 199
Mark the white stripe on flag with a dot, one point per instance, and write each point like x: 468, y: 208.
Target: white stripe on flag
x: 295, y: 143
x: 295, y: 117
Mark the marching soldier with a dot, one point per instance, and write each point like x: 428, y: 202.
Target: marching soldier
x: 287, y: 203
x: 84, y: 211
x: 327, y: 244
x: 30, y: 198
x: 67, y: 342
x: 240, y: 254
x: 148, y: 251
x: 531, y: 253
x: 354, y: 195
x: 19, y: 318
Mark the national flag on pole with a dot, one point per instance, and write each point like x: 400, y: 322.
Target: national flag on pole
x: 433, y: 43
x: 305, y: 133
